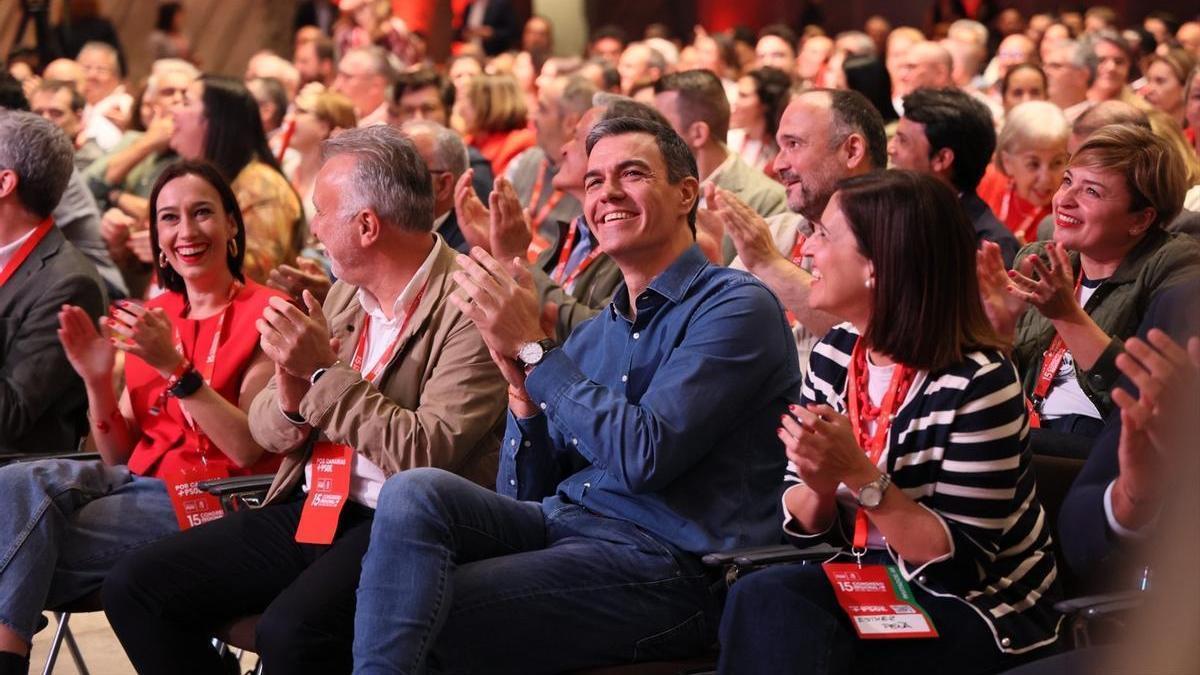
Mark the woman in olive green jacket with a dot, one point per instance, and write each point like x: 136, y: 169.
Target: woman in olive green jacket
x: 1090, y: 285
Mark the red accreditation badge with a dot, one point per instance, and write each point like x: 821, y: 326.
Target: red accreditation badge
x: 194, y: 506
x: 878, y: 601
x: 327, y: 493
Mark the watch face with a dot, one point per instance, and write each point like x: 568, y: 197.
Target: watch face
x: 870, y: 496
x: 531, y: 353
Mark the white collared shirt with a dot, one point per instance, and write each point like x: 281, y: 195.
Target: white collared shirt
x: 9, y: 250
x: 98, y: 127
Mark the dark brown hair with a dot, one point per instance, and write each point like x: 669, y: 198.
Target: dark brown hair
x: 701, y: 99
x: 926, y: 310
x: 209, y: 173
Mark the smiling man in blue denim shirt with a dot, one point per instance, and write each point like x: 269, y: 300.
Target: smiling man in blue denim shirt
x: 645, y: 441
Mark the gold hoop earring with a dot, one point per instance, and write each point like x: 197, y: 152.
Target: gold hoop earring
x: 162, y: 259
x: 233, y: 248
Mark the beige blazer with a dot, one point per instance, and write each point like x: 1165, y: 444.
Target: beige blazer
x: 440, y: 401
x: 756, y: 189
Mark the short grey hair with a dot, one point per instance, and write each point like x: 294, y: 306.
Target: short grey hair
x: 654, y: 58
x: 577, y: 94
x: 106, y: 49
x: 603, y: 99
x: 856, y: 43
x: 40, y: 154
x: 977, y: 30
x: 164, y: 67
x: 380, y: 64
x: 449, y: 151
x: 1032, y: 123
x: 389, y: 177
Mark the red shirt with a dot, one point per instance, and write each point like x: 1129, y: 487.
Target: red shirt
x: 167, y: 442
x: 1021, y: 217
x: 500, y: 148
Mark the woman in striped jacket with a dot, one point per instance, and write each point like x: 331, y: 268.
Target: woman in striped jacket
x: 908, y: 448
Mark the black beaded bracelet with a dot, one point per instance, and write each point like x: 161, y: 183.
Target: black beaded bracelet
x: 188, y: 384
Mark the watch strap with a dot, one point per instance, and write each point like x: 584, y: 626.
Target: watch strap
x: 881, y: 484
x: 188, y: 384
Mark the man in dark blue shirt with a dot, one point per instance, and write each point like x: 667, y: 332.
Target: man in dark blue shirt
x: 646, y: 440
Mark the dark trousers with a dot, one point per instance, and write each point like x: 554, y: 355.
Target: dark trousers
x: 166, y: 600
x: 786, y: 619
x: 1069, y: 436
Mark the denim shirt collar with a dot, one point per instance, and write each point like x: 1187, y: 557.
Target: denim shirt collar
x: 673, y: 283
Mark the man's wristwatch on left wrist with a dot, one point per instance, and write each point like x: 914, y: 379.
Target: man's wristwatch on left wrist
x: 870, y: 496
x: 316, y: 374
x: 531, y: 354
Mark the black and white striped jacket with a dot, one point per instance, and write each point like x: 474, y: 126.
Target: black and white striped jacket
x: 958, y: 447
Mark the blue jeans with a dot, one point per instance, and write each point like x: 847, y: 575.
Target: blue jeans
x: 65, y: 524
x: 460, y: 579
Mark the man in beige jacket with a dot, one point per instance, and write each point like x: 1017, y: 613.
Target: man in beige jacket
x: 387, y: 376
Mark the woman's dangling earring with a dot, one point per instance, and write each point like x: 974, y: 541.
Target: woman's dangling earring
x: 233, y: 248
x: 162, y: 259
x: 870, y: 282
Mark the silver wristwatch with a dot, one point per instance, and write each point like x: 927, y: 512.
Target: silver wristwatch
x: 531, y: 353
x: 870, y: 496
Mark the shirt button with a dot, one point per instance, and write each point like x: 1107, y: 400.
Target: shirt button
x: 1005, y: 642
x: 624, y: 378
x: 527, y: 444
x: 512, y: 442
x: 637, y: 335
x: 574, y: 441
x: 512, y: 481
x: 542, y: 405
x: 922, y: 579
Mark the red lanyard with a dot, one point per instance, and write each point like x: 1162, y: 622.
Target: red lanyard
x: 1031, y: 221
x: 555, y: 196
x: 1051, y: 361
x: 797, y: 254
x: 797, y: 257
x: 289, y: 129
x: 209, y: 367
x: 565, y: 255
x: 360, y: 351
x: 25, y: 249
x: 862, y: 412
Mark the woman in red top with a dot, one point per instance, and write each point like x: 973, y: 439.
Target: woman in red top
x: 192, y: 368
x: 495, y: 117
x: 1031, y: 156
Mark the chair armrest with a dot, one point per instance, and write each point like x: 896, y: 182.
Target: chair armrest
x: 220, y: 487
x: 1101, y: 605
x: 741, y: 561
x: 238, y: 492
x: 34, y: 457
x: 760, y: 556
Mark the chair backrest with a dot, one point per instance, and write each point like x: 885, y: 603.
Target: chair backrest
x: 1054, y: 476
